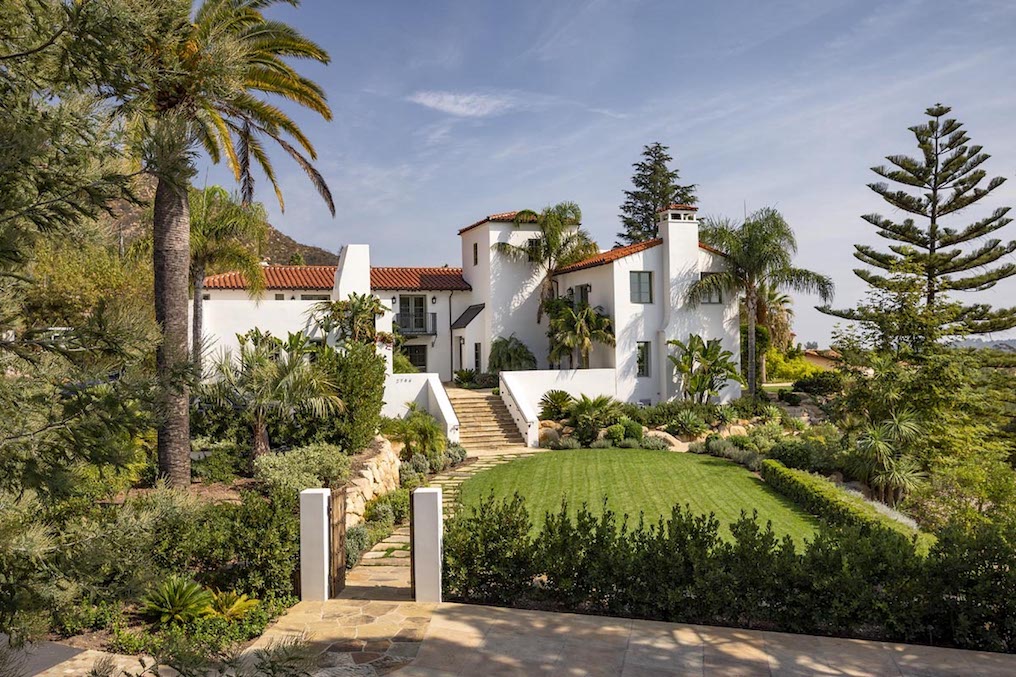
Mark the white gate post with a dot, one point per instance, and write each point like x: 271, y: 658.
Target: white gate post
x: 428, y: 532
x: 314, y: 545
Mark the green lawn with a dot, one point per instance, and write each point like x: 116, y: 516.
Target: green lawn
x: 637, y: 480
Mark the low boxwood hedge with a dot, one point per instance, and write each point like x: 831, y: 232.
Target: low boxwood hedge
x: 824, y: 499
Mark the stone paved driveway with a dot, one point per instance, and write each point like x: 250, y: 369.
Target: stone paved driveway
x: 469, y: 640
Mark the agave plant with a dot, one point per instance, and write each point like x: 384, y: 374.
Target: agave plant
x: 554, y: 405
x: 177, y: 600
x: 230, y: 605
x: 688, y: 423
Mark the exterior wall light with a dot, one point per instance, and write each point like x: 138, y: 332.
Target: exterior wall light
x: 433, y: 300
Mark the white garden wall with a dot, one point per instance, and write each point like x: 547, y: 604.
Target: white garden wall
x: 426, y: 391
x: 521, y: 392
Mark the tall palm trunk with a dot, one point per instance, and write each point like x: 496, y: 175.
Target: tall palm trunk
x: 261, y: 443
x: 750, y: 301
x: 171, y: 239
x: 198, y: 317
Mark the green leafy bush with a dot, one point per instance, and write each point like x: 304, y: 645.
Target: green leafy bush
x: 489, y: 555
x: 824, y: 499
x: 664, y: 412
x: 421, y: 433
x: 601, y: 444
x: 554, y: 405
x: 465, y: 377
x: 588, y: 415
x: 566, y: 443
x: 687, y: 424
x: 615, y: 433
x: 629, y: 444
x: 356, y: 544
x: 316, y: 465
x: 409, y: 479
x: 632, y: 428
x: 377, y: 532
x: 791, y: 398
x: 222, y: 463
x: 419, y: 463
x: 380, y: 513
x: 793, y: 453
x: 177, y: 600
x: 358, y: 373
x: 780, y: 367
x: 397, y: 502
x: 822, y: 383
x: 848, y: 581
x: 510, y: 354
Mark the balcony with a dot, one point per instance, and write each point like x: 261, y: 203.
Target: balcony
x: 414, y: 324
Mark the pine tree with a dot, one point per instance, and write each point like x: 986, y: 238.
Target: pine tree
x: 655, y: 187
x: 947, y: 179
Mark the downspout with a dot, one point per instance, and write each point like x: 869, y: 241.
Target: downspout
x: 451, y: 340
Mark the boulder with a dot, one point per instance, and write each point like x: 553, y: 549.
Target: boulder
x: 553, y: 425
x: 548, y: 436
x: 733, y: 430
x: 673, y: 443
x: 836, y: 477
x: 602, y: 435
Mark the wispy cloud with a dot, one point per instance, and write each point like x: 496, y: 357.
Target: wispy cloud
x: 464, y: 104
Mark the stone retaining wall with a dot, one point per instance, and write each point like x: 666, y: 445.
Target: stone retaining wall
x: 379, y: 475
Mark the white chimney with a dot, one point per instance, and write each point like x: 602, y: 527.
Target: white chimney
x: 679, y: 230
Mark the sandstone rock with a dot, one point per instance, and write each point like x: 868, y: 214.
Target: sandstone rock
x: 735, y: 430
x: 673, y: 443
x: 836, y: 477
x: 548, y: 436
x: 553, y: 425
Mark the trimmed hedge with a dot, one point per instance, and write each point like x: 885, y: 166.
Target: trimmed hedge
x: 824, y: 499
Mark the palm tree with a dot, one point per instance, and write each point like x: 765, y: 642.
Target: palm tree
x: 202, y: 84
x: 759, y: 254
x: 271, y: 378
x: 577, y: 329
x: 562, y: 242
x: 223, y: 233
x: 775, y: 312
x: 882, y: 456
x: 705, y: 367
x: 353, y: 318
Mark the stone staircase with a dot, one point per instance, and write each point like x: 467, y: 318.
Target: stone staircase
x: 484, y: 421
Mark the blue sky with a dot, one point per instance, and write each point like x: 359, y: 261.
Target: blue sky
x: 447, y: 111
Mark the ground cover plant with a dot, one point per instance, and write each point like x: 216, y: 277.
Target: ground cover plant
x: 638, y: 481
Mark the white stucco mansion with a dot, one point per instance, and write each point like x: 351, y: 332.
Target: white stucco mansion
x: 450, y: 316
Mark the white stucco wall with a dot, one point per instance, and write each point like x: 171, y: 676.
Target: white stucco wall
x: 441, y: 347
x: 515, y: 293
x: 601, y: 293
x: 426, y: 391
x: 636, y: 322
x: 225, y: 318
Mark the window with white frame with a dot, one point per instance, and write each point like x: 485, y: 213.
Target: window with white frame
x: 641, y: 286
x: 643, y: 359
x: 714, y: 296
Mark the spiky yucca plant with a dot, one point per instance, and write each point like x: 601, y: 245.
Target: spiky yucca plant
x: 177, y: 600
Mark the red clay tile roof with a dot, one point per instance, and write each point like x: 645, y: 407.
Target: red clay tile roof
x: 620, y: 252
x: 690, y: 208
x: 501, y: 217
x: 430, y: 279
x: 323, y: 278
x: 279, y: 277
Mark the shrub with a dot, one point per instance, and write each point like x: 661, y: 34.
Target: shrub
x: 395, y: 503
x: 791, y: 398
x: 419, y: 463
x: 822, y: 383
x: 380, y: 513
x: 489, y: 553
x: 588, y: 415
x: 485, y: 380
x: 632, y: 429
x: 763, y: 437
x: 824, y: 499
x: 654, y: 443
x: 780, y: 367
x: 230, y: 605
x: 601, y: 444
x: 566, y: 443
x: 554, y: 405
x: 629, y: 443
x: 221, y: 464
x: 465, y: 377
x: 495, y: 391
x: 420, y: 433
x: 358, y: 373
x: 437, y: 462
x: 377, y: 532
x: 316, y: 465
x: 402, y: 365
x: 724, y: 448
x: 176, y: 600
x: 748, y: 407
x: 687, y: 424
x: 615, y: 433
x: 793, y: 423
x: 793, y: 453
x: 770, y: 412
x: 409, y: 479
x: 456, y: 453
x: 356, y: 544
